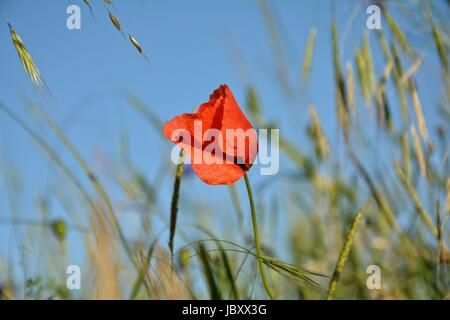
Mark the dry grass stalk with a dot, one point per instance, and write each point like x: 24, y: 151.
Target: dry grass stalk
x: 418, y: 151
x: 415, y: 199
x: 350, y: 87
x: 419, y: 116
x: 309, y: 51
x: 315, y: 129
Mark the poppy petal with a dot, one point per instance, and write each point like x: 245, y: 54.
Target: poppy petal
x: 216, y: 174
x: 223, y: 114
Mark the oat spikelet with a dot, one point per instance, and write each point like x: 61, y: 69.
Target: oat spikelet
x: 138, y: 47
x: 136, y: 44
x: 39, y: 86
x: 108, y: 3
x: 25, y: 57
x: 114, y: 21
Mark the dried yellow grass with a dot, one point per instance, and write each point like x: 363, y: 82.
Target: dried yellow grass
x: 350, y: 88
x: 367, y: 56
x: 322, y: 148
x: 423, y: 131
x: 361, y: 71
x: 342, y: 114
x: 418, y: 151
x: 407, y: 75
x: 406, y: 155
x: 163, y: 283
x: 415, y: 199
x: 309, y: 51
x: 103, y: 252
x: 400, y: 88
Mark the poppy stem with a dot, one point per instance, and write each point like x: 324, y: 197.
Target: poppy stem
x: 256, y: 237
x: 174, y: 204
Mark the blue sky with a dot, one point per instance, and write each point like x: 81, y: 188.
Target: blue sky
x: 192, y: 46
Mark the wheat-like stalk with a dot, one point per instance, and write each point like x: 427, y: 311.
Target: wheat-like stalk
x: 344, y: 254
x: 26, y: 59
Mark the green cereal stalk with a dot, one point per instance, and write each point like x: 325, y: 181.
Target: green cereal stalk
x: 344, y: 255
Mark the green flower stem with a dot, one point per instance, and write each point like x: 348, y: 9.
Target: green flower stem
x: 174, y: 204
x: 256, y: 236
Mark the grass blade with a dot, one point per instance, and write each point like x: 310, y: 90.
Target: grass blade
x: 204, y: 258
x: 139, y: 280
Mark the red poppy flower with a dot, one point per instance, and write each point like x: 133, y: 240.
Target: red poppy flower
x: 220, y: 141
